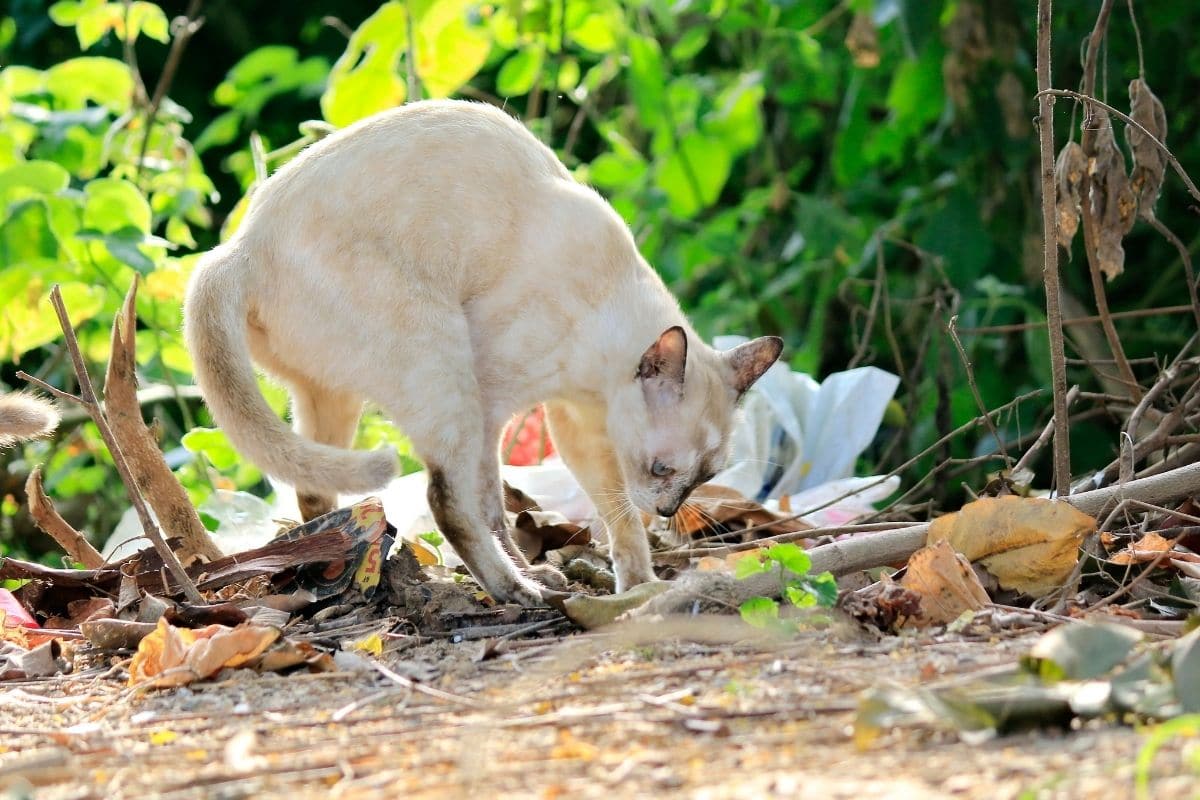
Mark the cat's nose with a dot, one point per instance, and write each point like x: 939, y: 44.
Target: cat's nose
x: 667, y: 511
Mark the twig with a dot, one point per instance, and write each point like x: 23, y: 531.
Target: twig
x: 185, y: 28
x: 1044, y: 436
x: 966, y: 362
x: 1184, y: 256
x: 410, y: 55
x: 48, y: 519
x: 1058, y: 367
x: 87, y: 398
x: 878, y: 291
x: 1018, y: 327
x: 1128, y: 120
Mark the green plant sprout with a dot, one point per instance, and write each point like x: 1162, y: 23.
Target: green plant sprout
x: 435, y: 540
x: 800, y: 588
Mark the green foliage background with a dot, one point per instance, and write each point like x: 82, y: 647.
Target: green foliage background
x: 774, y: 159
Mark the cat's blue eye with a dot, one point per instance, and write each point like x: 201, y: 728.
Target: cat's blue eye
x: 660, y: 470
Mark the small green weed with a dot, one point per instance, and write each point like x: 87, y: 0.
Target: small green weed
x: 801, y: 589
x: 435, y: 540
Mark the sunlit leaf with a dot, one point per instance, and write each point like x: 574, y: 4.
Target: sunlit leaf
x: 520, y: 71
x: 103, y: 80
x: 694, y: 174
x: 364, y: 81
x: 761, y: 612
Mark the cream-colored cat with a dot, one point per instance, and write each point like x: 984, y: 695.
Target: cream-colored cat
x: 440, y: 261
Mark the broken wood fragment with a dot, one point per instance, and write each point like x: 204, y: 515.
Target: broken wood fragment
x: 46, y: 516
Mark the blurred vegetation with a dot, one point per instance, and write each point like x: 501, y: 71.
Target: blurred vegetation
x: 848, y: 174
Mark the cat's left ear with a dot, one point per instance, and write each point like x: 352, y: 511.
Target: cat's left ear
x: 662, y: 368
x: 749, y: 361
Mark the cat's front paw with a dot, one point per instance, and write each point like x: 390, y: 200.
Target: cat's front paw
x: 629, y: 578
x: 548, y: 576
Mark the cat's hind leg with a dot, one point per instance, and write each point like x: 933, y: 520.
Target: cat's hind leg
x: 328, y: 417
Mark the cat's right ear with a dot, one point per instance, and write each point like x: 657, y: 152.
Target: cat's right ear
x: 662, y: 368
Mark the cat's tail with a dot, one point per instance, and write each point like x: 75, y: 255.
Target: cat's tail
x: 214, y: 314
x: 23, y: 416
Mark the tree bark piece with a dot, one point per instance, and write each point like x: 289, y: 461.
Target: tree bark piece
x: 48, y: 519
x: 163, y: 492
x: 87, y: 399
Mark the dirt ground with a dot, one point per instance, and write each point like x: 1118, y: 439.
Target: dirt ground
x: 576, y: 716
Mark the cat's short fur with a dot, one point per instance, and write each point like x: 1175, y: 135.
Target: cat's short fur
x: 23, y: 416
x: 441, y: 262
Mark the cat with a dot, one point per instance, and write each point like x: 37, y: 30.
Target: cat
x: 440, y: 261
x: 23, y: 416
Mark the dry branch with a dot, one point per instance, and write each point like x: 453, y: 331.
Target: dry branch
x: 1058, y: 364
x: 162, y: 490
x: 87, y: 399
x: 48, y: 519
x: 894, y: 547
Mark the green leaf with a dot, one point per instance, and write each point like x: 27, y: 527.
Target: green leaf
x: 221, y: 131
x: 761, y: 612
x: 364, y: 81
x: 798, y: 596
x: 103, y: 80
x: 737, y: 118
x: 751, y: 565
x: 647, y: 80
x: 823, y: 587
x: 451, y: 47
x: 213, y: 444
x: 1185, y: 669
x: 694, y: 174
x: 519, y: 72
x: 434, y: 538
x: 30, y: 179
x: 617, y: 170
x: 1081, y: 650
x: 113, y: 204
x: 598, y: 32
x: 690, y: 44
x: 791, y: 557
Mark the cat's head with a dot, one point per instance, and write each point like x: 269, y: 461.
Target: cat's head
x: 670, y: 424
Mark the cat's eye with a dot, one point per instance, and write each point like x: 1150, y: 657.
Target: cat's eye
x: 660, y: 470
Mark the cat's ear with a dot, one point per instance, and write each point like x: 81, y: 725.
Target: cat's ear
x: 662, y: 367
x: 749, y: 361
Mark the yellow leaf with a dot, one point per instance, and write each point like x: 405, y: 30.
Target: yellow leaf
x: 164, y: 736
x: 1029, y: 544
x: 372, y: 644
x: 425, y: 557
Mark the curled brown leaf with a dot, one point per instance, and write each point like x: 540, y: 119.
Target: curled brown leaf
x: 1068, y: 175
x: 1112, y: 200
x: 1149, y: 161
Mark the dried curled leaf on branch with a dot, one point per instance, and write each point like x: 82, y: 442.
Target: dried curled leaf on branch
x: 1149, y: 161
x: 1068, y: 177
x: 1112, y: 200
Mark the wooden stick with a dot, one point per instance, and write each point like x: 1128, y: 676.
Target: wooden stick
x: 1058, y: 362
x: 49, y: 520
x: 87, y: 398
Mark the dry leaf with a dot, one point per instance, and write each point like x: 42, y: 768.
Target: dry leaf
x: 945, y: 582
x: 1068, y: 174
x: 713, y: 510
x: 1113, y: 203
x: 1149, y: 162
x: 1148, y: 548
x: 862, y: 40
x: 1029, y: 544
x: 884, y: 604
x: 173, y: 656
